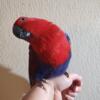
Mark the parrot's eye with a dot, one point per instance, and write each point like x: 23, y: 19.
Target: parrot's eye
x: 22, y: 19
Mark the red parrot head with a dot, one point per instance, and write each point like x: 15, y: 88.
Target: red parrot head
x: 25, y: 27
x: 18, y: 28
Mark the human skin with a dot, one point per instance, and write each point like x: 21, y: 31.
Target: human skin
x: 59, y: 88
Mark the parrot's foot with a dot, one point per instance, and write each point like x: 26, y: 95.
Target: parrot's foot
x: 41, y: 83
x: 66, y: 74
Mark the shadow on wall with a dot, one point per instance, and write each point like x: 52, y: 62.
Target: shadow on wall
x: 12, y: 86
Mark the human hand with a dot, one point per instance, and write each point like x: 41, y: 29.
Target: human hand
x: 67, y: 88
x: 59, y: 88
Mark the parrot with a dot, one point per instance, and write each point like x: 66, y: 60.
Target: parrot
x: 49, y: 47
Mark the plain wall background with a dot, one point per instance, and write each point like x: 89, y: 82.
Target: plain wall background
x: 79, y: 18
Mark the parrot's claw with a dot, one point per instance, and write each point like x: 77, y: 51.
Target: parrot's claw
x: 41, y: 85
x: 44, y: 81
x: 66, y: 74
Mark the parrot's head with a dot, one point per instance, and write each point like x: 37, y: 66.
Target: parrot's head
x: 24, y: 28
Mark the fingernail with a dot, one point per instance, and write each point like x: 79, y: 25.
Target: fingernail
x: 77, y: 89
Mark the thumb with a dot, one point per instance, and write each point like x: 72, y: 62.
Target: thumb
x: 62, y: 82
x: 76, y: 82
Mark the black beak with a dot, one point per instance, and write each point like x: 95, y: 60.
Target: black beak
x: 20, y: 33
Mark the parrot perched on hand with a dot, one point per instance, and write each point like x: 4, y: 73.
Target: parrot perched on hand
x: 49, y: 47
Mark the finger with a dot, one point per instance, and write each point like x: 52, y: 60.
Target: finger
x: 76, y: 78
x: 78, y: 89
x: 68, y: 97
x: 57, y: 95
x: 72, y: 94
x: 77, y: 82
x: 61, y: 82
x: 65, y: 83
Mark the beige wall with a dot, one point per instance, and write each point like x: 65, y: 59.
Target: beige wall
x: 80, y: 18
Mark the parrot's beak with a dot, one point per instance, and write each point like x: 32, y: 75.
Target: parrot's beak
x: 20, y: 33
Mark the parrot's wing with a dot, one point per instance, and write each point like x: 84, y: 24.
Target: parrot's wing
x: 32, y: 66
x: 39, y: 70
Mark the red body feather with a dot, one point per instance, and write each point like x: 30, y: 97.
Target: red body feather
x: 47, y: 40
